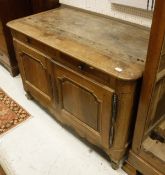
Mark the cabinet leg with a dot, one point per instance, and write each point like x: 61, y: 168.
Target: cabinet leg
x: 2, y: 171
x: 14, y: 73
x: 129, y: 169
x: 115, y: 165
x: 28, y: 96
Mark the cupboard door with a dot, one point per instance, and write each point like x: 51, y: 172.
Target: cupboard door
x: 84, y: 104
x: 33, y: 67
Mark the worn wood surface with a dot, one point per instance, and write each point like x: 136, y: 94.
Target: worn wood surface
x: 84, y: 83
x: 116, y: 48
x: 155, y: 148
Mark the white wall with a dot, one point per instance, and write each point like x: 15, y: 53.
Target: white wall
x: 133, y: 3
x: 137, y: 16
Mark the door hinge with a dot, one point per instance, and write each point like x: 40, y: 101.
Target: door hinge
x: 113, y: 118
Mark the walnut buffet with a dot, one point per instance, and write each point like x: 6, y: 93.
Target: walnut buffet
x: 85, y: 70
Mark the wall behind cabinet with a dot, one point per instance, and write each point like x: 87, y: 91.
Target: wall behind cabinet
x: 105, y: 7
x: 143, y: 4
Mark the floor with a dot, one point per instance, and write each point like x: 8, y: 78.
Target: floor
x: 41, y: 146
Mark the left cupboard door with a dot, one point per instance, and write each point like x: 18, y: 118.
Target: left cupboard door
x: 35, y: 75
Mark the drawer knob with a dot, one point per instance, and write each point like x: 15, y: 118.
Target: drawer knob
x: 27, y: 40
x: 81, y: 67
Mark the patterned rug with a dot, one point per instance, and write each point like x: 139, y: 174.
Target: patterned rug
x: 11, y: 113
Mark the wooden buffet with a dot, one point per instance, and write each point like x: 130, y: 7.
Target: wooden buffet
x: 85, y: 70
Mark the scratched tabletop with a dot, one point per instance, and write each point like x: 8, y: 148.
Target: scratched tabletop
x: 112, y: 46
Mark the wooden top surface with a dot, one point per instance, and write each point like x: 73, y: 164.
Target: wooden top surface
x: 114, y: 47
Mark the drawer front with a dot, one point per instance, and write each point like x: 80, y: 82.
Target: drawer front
x: 69, y: 61
x: 22, y: 48
x: 34, y: 44
x: 85, y: 69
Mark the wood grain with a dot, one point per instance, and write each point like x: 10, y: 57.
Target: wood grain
x: 78, y: 66
x: 111, y: 48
